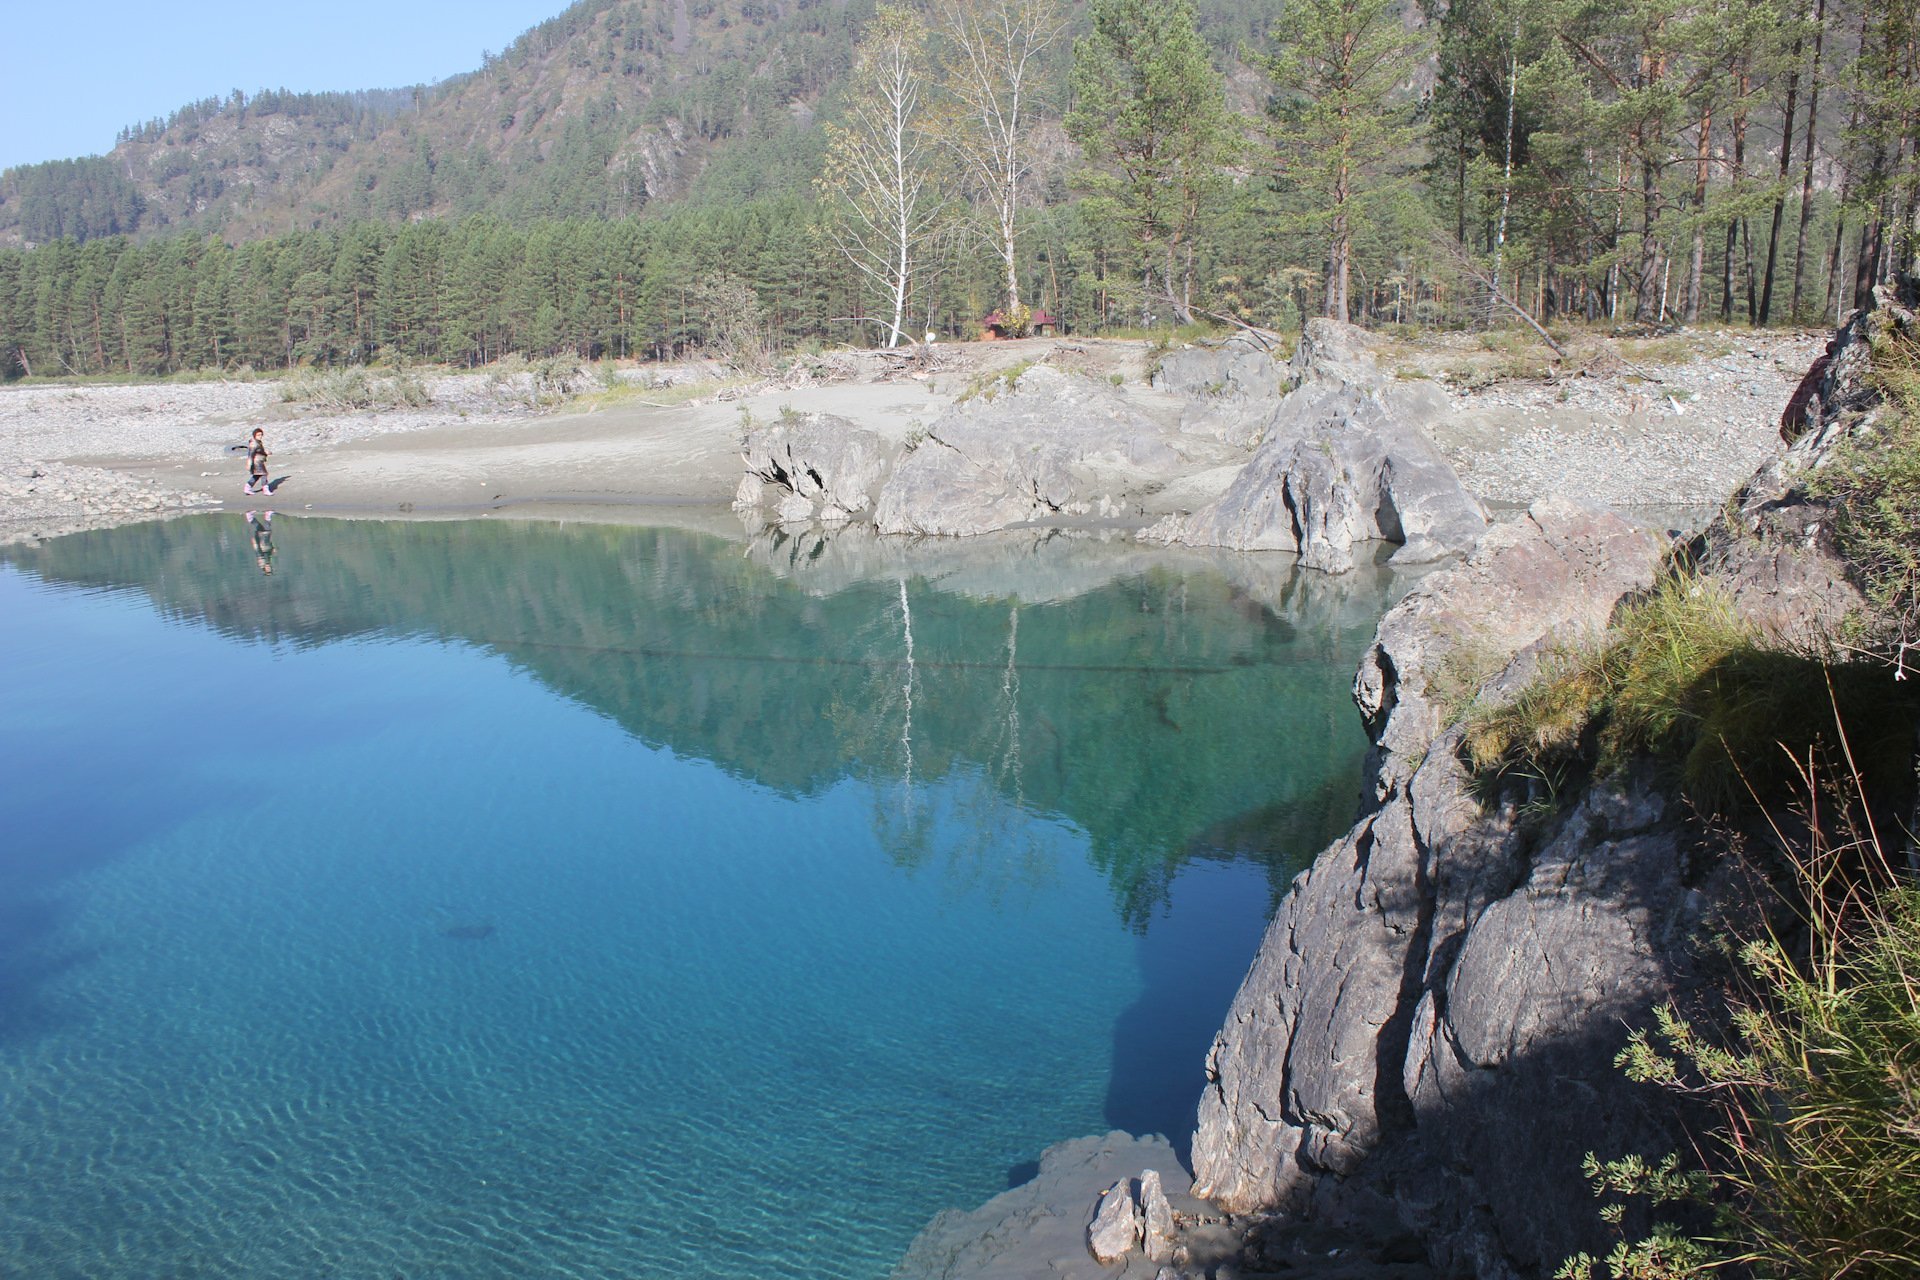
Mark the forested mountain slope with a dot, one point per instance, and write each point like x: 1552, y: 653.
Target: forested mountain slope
x: 848, y: 171
x: 611, y: 106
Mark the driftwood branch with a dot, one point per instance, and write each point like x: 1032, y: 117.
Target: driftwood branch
x: 1465, y: 260
x: 1267, y: 338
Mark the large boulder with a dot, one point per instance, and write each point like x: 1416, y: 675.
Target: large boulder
x: 1345, y: 461
x: 1443, y: 960
x: 813, y: 466
x: 1051, y: 445
x: 1558, y: 571
x: 1115, y: 1230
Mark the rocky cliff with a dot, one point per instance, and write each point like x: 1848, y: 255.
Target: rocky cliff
x: 1339, y: 461
x: 1427, y: 1033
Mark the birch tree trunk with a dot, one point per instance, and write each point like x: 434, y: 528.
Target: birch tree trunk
x: 994, y: 77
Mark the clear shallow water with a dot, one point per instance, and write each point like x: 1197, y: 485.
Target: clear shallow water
x: 469, y: 900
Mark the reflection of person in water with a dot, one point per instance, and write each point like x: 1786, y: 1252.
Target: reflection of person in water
x: 262, y: 527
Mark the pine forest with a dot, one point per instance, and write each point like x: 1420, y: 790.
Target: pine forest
x: 632, y: 176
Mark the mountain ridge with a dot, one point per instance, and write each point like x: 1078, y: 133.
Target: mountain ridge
x: 606, y: 108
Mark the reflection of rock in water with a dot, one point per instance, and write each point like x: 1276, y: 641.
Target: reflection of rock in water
x: 468, y: 932
x: 1143, y: 697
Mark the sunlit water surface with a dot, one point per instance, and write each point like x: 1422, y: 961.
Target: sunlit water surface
x: 468, y: 900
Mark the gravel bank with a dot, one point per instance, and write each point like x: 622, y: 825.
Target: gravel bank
x: 1680, y: 433
x: 1623, y: 439
x: 89, y: 456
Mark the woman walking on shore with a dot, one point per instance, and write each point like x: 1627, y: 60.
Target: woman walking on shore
x: 257, y: 464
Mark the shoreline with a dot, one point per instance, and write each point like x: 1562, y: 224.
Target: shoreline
x: 78, y: 457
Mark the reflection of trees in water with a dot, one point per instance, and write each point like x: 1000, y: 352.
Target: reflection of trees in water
x: 969, y: 812
x: 1164, y: 715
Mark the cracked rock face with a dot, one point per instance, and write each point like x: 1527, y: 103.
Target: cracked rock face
x: 1345, y: 460
x: 1053, y: 444
x: 1429, y: 1026
x: 813, y: 466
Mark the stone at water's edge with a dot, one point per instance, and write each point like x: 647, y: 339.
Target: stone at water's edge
x: 1429, y: 1025
x: 1345, y: 460
x: 1039, y: 1230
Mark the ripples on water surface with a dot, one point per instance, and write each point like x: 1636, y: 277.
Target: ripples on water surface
x: 471, y: 900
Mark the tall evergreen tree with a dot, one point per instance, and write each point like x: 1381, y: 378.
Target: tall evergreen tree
x: 1150, y: 112
x: 1343, y: 117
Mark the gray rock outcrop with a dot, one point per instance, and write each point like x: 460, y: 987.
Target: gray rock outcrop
x: 1053, y: 444
x: 813, y: 466
x: 1238, y: 368
x: 1229, y: 387
x: 1047, y: 449
x: 1429, y: 1025
x: 1344, y: 461
x: 1558, y: 571
x: 1773, y: 545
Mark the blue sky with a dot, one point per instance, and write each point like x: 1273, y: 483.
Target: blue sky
x: 76, y: 76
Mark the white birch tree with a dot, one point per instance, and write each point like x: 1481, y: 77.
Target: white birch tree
x: 994, y: 73
x: 879, y: 176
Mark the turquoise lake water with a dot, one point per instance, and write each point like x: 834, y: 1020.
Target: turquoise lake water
x: 517, y: 900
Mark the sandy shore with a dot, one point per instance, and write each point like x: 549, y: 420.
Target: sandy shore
x: 84, y: 456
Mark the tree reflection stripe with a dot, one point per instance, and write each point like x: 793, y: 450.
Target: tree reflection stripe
x: 1096, y: 668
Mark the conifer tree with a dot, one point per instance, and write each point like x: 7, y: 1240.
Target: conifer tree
x: 1150, y: 112
x: 1343, y: 119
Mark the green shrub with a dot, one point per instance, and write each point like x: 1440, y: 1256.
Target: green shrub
x: 355, y: 390
x: 1813, y: 1161
x: 1818, y: 1146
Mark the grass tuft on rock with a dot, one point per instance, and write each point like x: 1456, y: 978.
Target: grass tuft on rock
x: 1874, y: 486
x: 1680, y: 677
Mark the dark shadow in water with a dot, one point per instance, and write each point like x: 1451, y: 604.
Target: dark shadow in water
x: 128, y: 803
x: 1191, y: 962
x: 1021, y: 1174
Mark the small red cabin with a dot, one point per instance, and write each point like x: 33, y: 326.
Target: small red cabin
x: 994, y: 327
